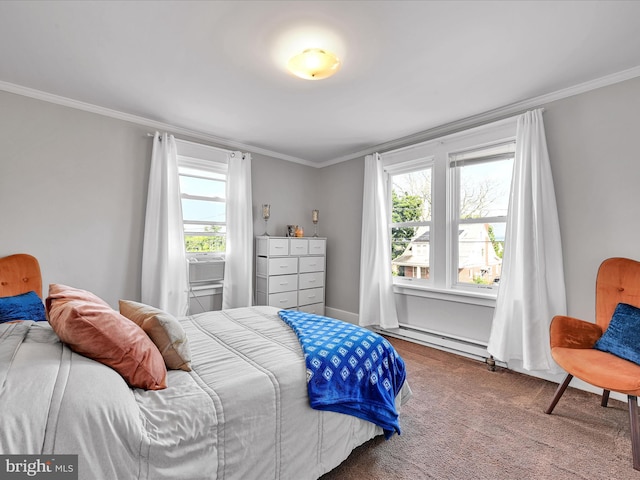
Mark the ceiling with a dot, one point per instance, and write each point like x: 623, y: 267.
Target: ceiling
x: 215, y: 69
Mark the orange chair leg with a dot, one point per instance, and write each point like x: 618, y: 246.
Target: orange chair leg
x: 605, y: 398
x: 559, y: 391
x: 635, y: 430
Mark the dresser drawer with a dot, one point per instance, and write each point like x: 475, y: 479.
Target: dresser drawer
x: 311, y: 264
x: 299, y: 246
x: 283, y: 283
x: 281, y: 266
x: 283, y: 300
x: 311, y: 280
x: 278, y: 246
x: 311, y: 295
x: 317, y: 247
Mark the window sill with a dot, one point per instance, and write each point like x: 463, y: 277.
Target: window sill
x: 447, y: 294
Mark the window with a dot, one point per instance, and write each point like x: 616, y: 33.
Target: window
x: 411, y: 223
x: 203, y: 195
x: 481, y: 179
x: 203, y: 186
x: 448, y: 201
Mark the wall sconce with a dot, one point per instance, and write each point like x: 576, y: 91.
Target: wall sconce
x: 266, y: 213
x: 314, y: 218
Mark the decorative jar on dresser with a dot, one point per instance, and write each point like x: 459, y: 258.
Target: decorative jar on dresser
x: 290, y: 273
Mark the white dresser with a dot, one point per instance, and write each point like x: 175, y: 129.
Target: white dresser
x: 290, y: 273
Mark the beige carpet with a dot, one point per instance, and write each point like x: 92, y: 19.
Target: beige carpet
x: 465, y: 422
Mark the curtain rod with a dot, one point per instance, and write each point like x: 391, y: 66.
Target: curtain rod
x: 230, y: 152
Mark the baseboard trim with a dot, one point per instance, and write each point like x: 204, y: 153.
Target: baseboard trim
x: 341, y: 315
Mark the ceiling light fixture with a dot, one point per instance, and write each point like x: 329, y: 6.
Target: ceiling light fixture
x: 314, y: 64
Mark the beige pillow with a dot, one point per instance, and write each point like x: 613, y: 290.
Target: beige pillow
x: 164, y: 330
x: 92, y: 328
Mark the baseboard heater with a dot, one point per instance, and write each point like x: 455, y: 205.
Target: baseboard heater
x: 459, y: 346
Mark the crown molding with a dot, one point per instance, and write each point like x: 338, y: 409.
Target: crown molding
x: 491, y: 116
x: 107, y: 112
x: 445, y: 129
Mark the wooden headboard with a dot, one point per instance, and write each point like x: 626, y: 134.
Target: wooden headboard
x: 20, y: 273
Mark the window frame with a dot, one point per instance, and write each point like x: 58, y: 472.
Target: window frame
x: 442, y: 282
x: 401, y: 169
x: 208, y: 159
x: 456, y: 222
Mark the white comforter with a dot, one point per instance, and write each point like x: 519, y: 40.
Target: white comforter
x: 242, y: 413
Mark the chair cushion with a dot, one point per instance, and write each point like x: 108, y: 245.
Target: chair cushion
x: 601, y: 369
x: 622, y: 336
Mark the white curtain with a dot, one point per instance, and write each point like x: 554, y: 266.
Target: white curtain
x: 238, y: 290
x: 164, y: 267
x: 377, y: 302
x: 532, y: 286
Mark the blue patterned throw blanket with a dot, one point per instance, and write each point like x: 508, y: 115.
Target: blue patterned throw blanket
x: 350, y: 369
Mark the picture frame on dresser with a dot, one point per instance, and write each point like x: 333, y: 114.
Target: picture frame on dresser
x: 290, y: 273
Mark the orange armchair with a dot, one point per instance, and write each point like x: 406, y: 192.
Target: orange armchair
x: 572, y: 341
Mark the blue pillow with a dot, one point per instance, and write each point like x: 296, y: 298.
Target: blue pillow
x: 26, y: 306
x: 622, y: 336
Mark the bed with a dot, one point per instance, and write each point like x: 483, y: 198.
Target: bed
x: 241, y: 412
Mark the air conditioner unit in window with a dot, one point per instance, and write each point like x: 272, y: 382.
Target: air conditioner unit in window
x: 205, y: 270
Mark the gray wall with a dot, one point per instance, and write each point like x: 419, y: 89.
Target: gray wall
x: 73, y: 193
x: 593, y: 146
x: 341, y: 222
x: 290, y: 188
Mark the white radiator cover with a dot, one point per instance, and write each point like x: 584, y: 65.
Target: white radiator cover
x: 206, y: 274
x: 204, y: 298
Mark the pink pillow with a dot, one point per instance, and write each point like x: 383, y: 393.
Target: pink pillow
x: 92, y: 328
